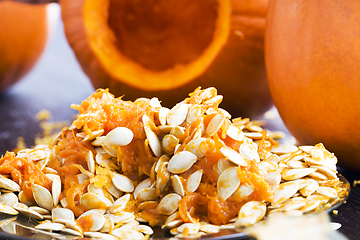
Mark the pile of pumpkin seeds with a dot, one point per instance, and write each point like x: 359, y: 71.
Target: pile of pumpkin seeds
x: 303, y: 178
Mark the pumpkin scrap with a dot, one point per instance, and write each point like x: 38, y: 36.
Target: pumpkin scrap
x: 190, y: 169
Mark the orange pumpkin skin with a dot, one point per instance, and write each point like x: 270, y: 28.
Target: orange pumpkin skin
x: 312, y: 53
x: 237, y: 71
x: 23, y: 36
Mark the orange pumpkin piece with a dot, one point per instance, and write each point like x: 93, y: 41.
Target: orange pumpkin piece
x: 24, y: 172
x: 312, y: 56
x: 168, y: 48
x: 23, y: 36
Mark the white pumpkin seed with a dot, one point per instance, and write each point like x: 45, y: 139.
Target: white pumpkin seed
x: 189, y: 228
x: 296, y: 173
x: 56, y: 189
x: 9, y: 184
x: 143, y: 184
x: 94, y: 201
x: 169, y: 204
x: 177, y: 114
x: 235, y: 133
x: 113, y: 190
x: 154, y: 141
x: 195, y: 111
x: 250, y: 213
x: 273, y: 178
x: 62, y: 213
x: 284, y: 191
x: 39, y: 210
x: 8, y: 199
x: 177, y: 185
x: 194, y: 146
x: 284, y: 149
x: 327, y: 191
x: 234, y: 156
x: 310, y: 187
x: 120, y: 136
x: 228, y: 182
x: 97, y: 219
x: 163, y: 113
x: 42, y: 197
x: 214, y: 125
x: 163, y: 178
x: 249, y: 150
x: 169, y: 143
x: 243, y: 192
x: 147, y: 194
x: 127, y: 233
x: 122, y: 182
x: 49, y: 226
x: 8, y: 210
x: 119, y: 205
x: 193, y: 181
x: 181, y: 162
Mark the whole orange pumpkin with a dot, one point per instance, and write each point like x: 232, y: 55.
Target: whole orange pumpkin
x: 23, y: 36
x: 312, y: 54
x: 167, y: 48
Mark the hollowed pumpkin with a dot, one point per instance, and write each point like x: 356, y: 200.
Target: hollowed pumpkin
x: 168, y: 48
x: 23, y: 36
x: 312, y: 60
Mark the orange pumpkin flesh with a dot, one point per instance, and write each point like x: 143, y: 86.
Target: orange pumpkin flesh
x: 312, y: 56
x: 23, y: 37
x: 168, y: 48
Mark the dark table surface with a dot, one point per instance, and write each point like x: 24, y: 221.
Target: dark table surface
x: 57, y: 81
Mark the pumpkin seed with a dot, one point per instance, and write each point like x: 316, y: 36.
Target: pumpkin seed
x: 193, y: 181
x: 8, y: 199
x: 214, y: 125
x: 169, y: 204
x: 228, y: 182
x: 250, y: 213
x: 9, y: 184
x: 97, y: 219
x: 42, y: 197
x: 94, y: 201
x: 181, y: 162
x: 49, y: 226
x: 119, y: 205
x: 120, y: 136
x: 233, y: 156
x: 122, y: 182
x: 177, y: 114
x: 154, y: 141
x: 62, y: 213
x: 284, y: 191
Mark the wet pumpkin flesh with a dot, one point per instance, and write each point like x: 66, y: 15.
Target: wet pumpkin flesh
x: 101, y: 111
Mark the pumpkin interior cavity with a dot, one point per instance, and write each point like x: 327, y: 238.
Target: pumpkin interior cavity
x: 161, y: 35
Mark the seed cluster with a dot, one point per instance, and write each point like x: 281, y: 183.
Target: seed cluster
x: 115, y: 204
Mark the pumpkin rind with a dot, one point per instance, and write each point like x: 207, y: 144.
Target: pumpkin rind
x: 235, y: 66
x: 23, y: 36
x: 312, y: 56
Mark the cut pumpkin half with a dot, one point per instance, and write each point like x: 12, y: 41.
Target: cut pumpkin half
x: 168, y: 48
x: 160, y: 46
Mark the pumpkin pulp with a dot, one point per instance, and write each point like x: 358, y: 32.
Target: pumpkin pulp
x: 25, y: 173
x: 101, y: 111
